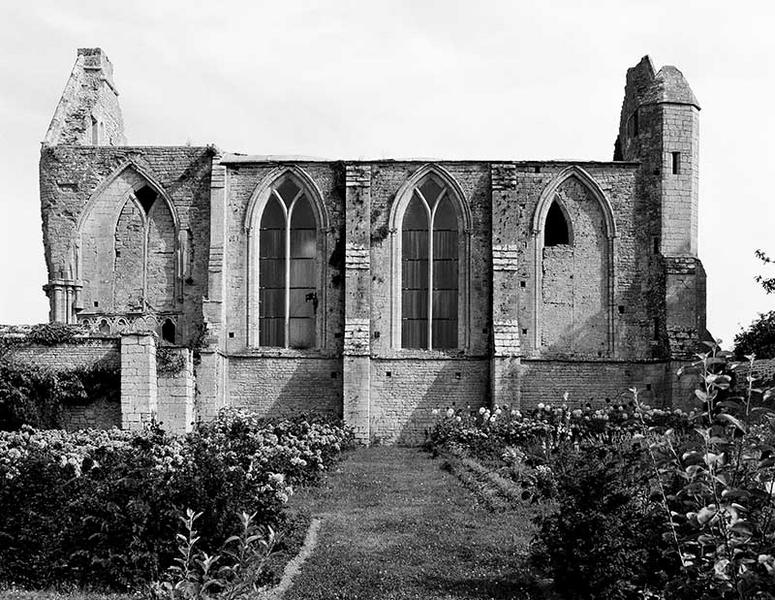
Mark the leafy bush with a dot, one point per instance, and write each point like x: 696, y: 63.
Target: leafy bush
x: 720, y: 493
x: 649, y: 503
x: 758, y: 338
x: 103, y: 506
x: 605, y: 538
x: 235, y: 571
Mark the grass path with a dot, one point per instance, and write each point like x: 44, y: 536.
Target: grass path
x: 397, y: 526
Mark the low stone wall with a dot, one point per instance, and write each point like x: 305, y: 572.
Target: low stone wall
x: 145, y: 392
x: 82, y: 351
x: 658, y: 383
x: 102, y: 414
x: 175, y: 390
x: 763, y: 371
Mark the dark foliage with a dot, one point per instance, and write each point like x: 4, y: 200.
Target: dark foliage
x: 110, y: 521
x: 758, y: 338
x: 35, y: 395
x: 606, y: 538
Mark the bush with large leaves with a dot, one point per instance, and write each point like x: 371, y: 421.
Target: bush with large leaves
x: 102, y: 507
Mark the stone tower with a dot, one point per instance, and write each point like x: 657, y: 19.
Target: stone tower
x: 659, y: 127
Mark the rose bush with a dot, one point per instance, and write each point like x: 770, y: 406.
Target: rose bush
x: 103, y: 506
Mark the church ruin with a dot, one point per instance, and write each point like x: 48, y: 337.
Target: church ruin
x: 377, y: 290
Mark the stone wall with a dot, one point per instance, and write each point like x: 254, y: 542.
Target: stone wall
x: 763, y: 371
x: 285, y: 386
x: 88, y: 112
x: 83, y: 191
x: 404, y: 393
x: 139, y: 381
x: 85, y: 352
x: 597, y: 381
x: 176, y: 389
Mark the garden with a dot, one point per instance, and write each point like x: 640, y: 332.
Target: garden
x: 197, y: 516
x: 634, y: 501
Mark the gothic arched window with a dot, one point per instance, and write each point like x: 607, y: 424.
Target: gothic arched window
x: 145, y: 246
x: 287, y: 268
x: 429, y: 268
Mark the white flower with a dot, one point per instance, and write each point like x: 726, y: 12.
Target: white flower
x: 458, y: 419
x: 481, y: 410
x: 450, y: 412
x: 541, y: 406
x: 435, y: 411
x: 492, y: 419
x: 498, y: 411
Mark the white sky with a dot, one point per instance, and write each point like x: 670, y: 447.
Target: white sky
x: 446, y: 79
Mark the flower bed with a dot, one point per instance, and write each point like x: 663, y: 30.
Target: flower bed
x: 524, y: 444
x: 646, y: 503
x: 103, y: 507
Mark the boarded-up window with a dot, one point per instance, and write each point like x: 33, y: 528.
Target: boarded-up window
x: 429, y: 269
x: 287, y: 277
x: 145, y: 246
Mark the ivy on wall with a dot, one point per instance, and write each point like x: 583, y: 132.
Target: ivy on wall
x: 37, y: 395
x: 169, y: 361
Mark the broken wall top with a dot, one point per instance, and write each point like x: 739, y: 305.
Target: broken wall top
x: 88, y: 113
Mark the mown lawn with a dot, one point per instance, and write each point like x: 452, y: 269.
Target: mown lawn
x: 397, y: 526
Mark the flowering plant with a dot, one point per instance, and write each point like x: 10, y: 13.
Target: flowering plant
x: 103, y: 506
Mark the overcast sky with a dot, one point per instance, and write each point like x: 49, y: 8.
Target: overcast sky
x: 417, y: 78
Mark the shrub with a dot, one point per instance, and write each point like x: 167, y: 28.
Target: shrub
x: 649, y: 503
x: 720, y: 492
x: 605, y: 538
x: 102, y: 507
x: 758, y: 338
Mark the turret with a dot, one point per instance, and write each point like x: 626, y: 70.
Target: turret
x: 659, y: 127
x: 88, y: 113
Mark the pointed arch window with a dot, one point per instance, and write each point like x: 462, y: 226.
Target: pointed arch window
x: 430, y: 268
x: 145, y: 247
x: 557, y: 228
x: 287, y: 268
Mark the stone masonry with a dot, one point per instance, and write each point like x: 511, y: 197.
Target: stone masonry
x: 377, y: 290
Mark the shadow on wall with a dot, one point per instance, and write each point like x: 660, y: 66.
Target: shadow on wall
x: 404, y: 394
x: 578, y: 339
x: 283, y: 387
x: 596, y: 382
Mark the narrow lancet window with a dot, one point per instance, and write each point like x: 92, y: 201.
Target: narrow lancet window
x: 429, y: 269
x: 556, y: 230
x: 168, y: 331
x: 287, y: 276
